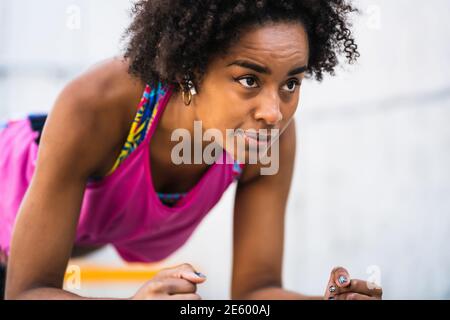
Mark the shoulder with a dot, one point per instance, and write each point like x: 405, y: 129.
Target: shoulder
x: 286, y: 158
x: 95, y: 111
x: 106, y: 86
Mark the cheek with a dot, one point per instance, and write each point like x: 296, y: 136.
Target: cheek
x: 213, y: 117
x: 224, y: 113
x: 292, y: 107
x: 292, y: 110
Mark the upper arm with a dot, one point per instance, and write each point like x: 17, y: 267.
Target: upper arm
x: 258, y: 235
x: 76, y: 140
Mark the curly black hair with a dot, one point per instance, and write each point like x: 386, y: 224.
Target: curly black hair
x: 169, y: 39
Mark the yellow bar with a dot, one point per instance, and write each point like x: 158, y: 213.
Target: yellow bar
x: 106, y: 274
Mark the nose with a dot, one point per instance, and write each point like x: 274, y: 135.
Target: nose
x: 269, y: 110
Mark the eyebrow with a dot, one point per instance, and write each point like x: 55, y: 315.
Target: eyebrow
x: 262, y: 69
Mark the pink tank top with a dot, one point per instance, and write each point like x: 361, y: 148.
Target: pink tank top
x: 122, y: 209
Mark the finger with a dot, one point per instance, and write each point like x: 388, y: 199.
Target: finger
x: 187, y: 272
x: 362, y: 287
x: 354, y: 296
x: 188, y: 296
x: 179, y: 286
x: 334, y: 286
x: 341, y: 277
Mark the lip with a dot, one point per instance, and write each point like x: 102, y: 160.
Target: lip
x: 257, y: 136
x: 259, y: 139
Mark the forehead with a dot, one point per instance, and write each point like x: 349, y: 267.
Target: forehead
x: 273, y: 43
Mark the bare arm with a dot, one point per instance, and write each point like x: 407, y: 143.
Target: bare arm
x: 259, y: 228
x: 69, y: 153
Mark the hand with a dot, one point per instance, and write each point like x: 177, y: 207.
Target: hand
x: 344, y: 288
x: 178, y: 283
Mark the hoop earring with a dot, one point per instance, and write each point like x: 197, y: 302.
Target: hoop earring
x: 187, y: 95
x: 188, y: 92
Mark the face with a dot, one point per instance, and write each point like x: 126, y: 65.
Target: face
x: 256, y: 84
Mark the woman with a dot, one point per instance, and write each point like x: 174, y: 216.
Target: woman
x: 97, y: 171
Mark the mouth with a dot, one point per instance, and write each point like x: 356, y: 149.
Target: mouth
x: 253, y: 137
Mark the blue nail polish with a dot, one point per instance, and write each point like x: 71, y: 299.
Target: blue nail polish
x: 342, y: 279
x: 199, y: 274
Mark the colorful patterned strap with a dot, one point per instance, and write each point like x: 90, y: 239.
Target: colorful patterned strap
x: 148, y: 108
x: 170, y: 199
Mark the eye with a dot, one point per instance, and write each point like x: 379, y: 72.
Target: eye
x: 291, y: 85
x: 248, y: 82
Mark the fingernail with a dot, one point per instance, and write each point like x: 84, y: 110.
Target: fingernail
x: 199, y: 274
x: 342, y: 279
x: 331, y: 298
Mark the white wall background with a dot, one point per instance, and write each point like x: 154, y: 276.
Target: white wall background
x: 371, y: 189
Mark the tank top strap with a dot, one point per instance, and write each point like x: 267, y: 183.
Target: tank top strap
x: 162, y: 95
x: 148, y: 110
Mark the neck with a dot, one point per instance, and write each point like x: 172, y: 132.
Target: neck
x: 176, y: 115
